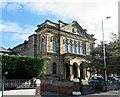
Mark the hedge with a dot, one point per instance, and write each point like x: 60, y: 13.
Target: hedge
x: 22, y: 67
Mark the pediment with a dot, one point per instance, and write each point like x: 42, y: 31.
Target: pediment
x: 77, y: 29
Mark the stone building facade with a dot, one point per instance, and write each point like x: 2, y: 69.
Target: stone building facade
x: 63, y: 45
x: 28, y: 48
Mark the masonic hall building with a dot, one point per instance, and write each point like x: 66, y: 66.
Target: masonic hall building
x: 65, y: 47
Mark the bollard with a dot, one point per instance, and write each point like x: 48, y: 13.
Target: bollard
x: 76, y: 90
x: 38, y: 87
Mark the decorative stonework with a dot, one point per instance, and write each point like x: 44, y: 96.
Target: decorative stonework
x: 61, y: 31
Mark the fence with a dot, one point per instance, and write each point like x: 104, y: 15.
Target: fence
x: 64, y: 83
x: 18, y: 83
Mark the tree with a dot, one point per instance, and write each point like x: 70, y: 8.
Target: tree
x: 112, y: 51
x: 113, y: 64
x: 95, y: 60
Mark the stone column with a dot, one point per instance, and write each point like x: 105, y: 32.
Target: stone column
x: 38, y: 88
x: 78, y: 71
x: 71, y: 72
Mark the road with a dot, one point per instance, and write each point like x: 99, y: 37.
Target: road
x: 31, y: 93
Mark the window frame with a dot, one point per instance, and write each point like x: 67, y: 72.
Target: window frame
x: 54, y: 44
x: 54, y: 68
x: 66, y: 46
x: 79, y: 48
x: 42, y: 45
x: 71, y: 49
x: 75, y: 47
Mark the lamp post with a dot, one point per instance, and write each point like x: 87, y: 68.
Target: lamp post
x: 3, y: 80
x: 104, y: 55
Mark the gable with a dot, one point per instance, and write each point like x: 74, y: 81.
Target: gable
x: 77, y: 29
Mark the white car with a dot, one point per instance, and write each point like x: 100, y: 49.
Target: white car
x: 113, y: 80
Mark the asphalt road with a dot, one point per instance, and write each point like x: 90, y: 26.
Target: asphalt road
x: 31, y: 93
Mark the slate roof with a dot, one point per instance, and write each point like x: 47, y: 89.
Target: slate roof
x: 3, y: 50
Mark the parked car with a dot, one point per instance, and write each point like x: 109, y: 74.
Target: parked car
x: 95, y: 79
x: 118, y: 77
x: 113, y: 80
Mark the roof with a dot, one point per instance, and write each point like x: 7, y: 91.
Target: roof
x: 61, y: 26
x: 3, y: 50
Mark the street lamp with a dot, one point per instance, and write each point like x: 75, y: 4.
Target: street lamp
x: 104, y: 54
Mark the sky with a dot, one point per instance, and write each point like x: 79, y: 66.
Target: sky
x: 19, y: 18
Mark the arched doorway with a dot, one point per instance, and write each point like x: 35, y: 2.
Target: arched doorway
x: 81, y: 71
x: 67, y: 69
x: 75, y: 70
x: 54, y: 68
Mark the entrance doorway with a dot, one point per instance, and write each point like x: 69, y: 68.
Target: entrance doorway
x: 81, y: 71
x: 75, y: 70
x: 67, y: 68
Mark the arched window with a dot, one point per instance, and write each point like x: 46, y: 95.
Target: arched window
x: 78, y: 48
x: 66, y: 46
x: 73, y: 30
x: 90, y: 49
x: 83, y: 48
x: 54, y: 68
x: 42, y: 45
x: 70, y: 46
x: 75, y: 47
x: 54, y: 44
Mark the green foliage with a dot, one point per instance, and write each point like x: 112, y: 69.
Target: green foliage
x: 97, y: 86
x: 112, y: 52
x: 95, y: 61
x: 113, y: 62
x: 21, y: 66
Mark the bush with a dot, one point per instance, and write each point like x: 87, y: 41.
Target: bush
x: 22, y: 66
x: 97, y: 86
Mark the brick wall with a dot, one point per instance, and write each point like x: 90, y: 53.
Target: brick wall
x: 60, y: 87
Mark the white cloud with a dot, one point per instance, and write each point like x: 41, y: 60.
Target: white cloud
x: 3, y: 5
x: 21, y: 36
x: 10, y: 27
x: 14, y: 6
x: 17, y: 31
x: 88, y: 13
x: 14, y: 27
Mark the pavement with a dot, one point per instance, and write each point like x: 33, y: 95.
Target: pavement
x: 115, y: 93
x: 31, y: 93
